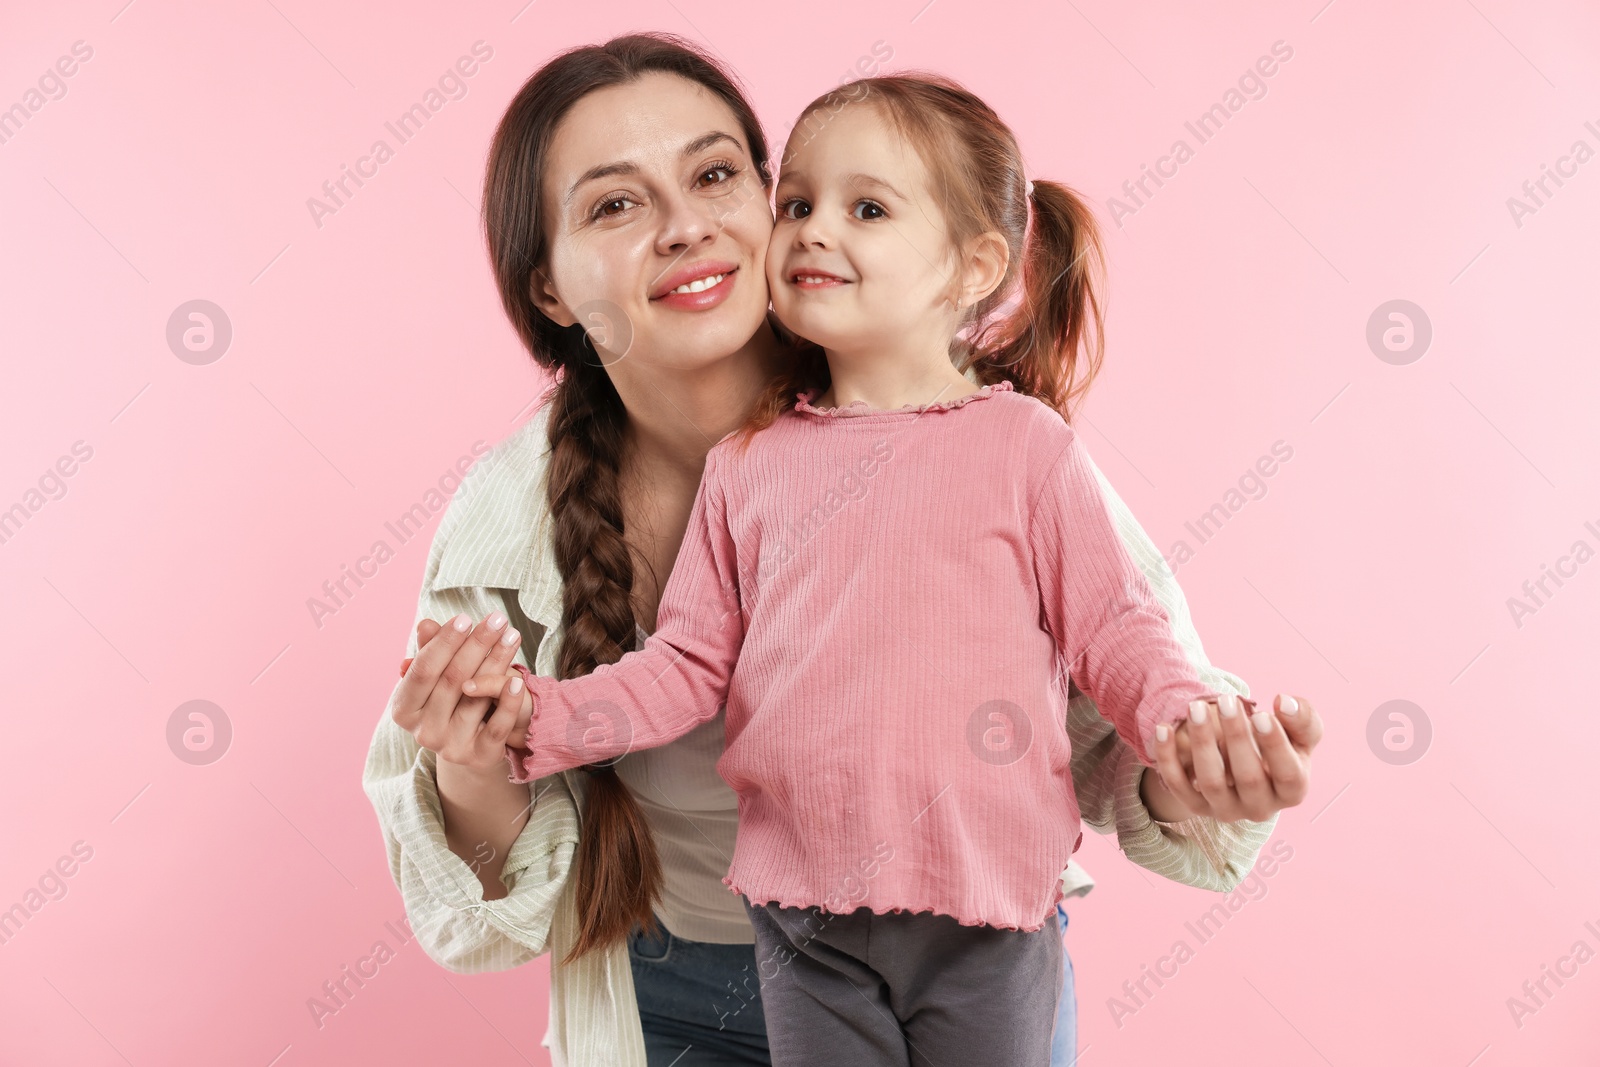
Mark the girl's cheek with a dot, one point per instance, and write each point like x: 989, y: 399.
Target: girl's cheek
x: 774, y: 261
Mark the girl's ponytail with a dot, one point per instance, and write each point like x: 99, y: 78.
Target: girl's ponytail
x: 1051, y: 344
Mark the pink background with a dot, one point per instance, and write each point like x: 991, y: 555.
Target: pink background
x: 370, y: 353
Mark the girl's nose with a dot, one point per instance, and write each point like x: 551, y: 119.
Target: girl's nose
x: 813, y: 233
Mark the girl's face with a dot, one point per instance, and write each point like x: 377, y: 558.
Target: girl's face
x: 860, y: 259
x: 650, y: 186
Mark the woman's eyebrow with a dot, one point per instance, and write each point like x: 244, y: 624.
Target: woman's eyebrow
x: 606, y: 170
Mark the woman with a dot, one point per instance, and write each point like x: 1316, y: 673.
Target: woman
x: 622, y: 177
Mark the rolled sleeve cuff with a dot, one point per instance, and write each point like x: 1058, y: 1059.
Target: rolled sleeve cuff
x: 1200, y: 851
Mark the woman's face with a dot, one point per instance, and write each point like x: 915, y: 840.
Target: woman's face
x: 649, y: 186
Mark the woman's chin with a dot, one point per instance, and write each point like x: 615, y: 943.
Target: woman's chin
x: 701, y: 341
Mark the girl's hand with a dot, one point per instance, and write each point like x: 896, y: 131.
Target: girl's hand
x: 429, y: 701
x: 496, y: 683
x: 1240, y: 771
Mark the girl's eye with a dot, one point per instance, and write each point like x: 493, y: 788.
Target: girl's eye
x: 872, y: 206
x: 793, y: 201
x: 601, y: 212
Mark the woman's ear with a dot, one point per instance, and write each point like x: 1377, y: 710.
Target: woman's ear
x: 983, y: 266
x: 544, y: 297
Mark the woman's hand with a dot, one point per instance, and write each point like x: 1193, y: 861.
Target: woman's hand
x: 1240, y: 770
x: 429, y: 701
x: 488, y: 682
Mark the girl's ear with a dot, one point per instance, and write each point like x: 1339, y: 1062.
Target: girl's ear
x: 544, y: 297
x: 984, y: 263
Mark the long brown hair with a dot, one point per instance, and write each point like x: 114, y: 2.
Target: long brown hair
x: 1050, y: 344
x: 618, y: 870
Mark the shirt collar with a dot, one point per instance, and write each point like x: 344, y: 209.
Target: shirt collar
x: 499, y: 536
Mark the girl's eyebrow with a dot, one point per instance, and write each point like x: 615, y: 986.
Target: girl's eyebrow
x: 878, y: 183
x: 606, y: 170
x: 857, y: 178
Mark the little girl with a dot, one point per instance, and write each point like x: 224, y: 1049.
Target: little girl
x: 888, y: 577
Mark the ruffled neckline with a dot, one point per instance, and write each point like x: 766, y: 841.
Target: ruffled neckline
x: 859, y: 407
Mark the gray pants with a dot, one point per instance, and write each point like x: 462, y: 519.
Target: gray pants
x: 904, y: 990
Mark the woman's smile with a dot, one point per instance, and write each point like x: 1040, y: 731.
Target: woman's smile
x: 700, y: 290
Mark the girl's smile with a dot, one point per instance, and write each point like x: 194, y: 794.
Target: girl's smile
x: 806, y: 278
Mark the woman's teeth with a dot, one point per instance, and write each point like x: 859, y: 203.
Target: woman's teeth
x: 700, y: 285
x: 812, y: 279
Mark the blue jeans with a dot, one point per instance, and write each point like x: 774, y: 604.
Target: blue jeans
x: 1064, y: 1047
x: 700, y: 1003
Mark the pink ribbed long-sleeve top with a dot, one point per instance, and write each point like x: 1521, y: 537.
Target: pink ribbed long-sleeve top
x: 890, y: 602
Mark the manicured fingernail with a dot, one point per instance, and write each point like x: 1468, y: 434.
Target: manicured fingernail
x: 495, y: 621
x: 1263, y: 722
x: 1197, y: 712
x: 1226, y: 707
x: 469, y: 686
x: 511, y: 636
x: 461, y: 622
x: 516, y: 683
x: 1161, y: 732
x: 1287, y: 704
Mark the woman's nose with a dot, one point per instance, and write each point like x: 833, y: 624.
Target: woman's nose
x: 686, y: 222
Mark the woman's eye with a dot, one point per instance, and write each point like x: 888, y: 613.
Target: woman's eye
x: 796, y: 203
x: 723, y: 168
x: 872, y: 207
x: 601, y: 212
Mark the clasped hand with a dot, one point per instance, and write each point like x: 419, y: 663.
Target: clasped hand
x: 1231, y: 760
x: 462, y: 698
